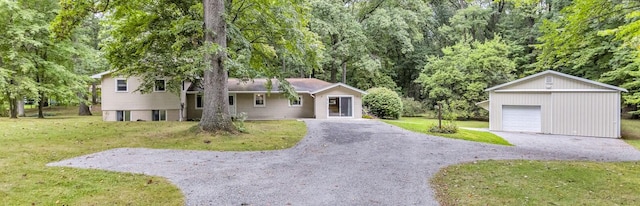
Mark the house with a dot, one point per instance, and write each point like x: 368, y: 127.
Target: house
x: 551, y: 102
x: 317, y: 99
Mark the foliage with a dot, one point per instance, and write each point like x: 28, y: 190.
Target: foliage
x: 524, y: 182
x: 239, y: 121
x: 460, y: 76
x: 383, y: 103
x: 366, y: 44
x: 447, y: 127
x: 28, y: 144
x: 411, y: 107
x: 33, y: 65
x: 596, y: 39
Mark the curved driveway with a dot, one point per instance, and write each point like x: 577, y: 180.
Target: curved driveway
x: 339, y: 162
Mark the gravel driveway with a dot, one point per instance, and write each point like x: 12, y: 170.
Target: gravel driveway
x: 339, y: 162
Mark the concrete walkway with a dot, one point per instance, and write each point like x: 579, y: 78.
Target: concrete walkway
x: 339, y: 162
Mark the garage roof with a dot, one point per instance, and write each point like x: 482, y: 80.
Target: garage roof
x: 559, y: 74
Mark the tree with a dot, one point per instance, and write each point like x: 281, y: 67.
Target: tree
x: 215, y: 114
x: 596, y: 39
x: 460, y: 76
x: 165, y: 38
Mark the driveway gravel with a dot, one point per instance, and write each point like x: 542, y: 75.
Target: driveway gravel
x: 339, y: 162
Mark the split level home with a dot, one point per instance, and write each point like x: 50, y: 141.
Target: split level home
x: 551, y: 102
x: 317, y: 99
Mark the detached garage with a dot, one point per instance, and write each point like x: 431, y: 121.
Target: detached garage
x: 551, y: 102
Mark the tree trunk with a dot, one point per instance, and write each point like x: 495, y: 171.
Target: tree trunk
x: 344, y: 72
x: 21, y: 108
x: 41, y: 104
x: 215, y: 111
x: 83, y: 108
x: 334, y: 71
x: 94, y: 93
x: 13, y: 108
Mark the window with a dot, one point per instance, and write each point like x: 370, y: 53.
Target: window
x: 199, y: 101
x: 160, y: 85
x: 122, y: 115
x: 158, y: 115
x: 296, y: 102
x: 258, y: 100
x: 121, y: 85
x: 549, y: 80
x: 231, y: 103
x: 340, y: 106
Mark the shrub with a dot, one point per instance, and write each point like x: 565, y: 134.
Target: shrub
x: 239, y: 122
x: 447, y: 128
x: 411, y: 107
x: 383, y: 103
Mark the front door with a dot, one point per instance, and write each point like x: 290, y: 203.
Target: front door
x: 340, y: 106
x: 232, y: 105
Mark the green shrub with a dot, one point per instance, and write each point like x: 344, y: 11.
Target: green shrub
x: 447, y: 128
x: 238, y: 121
x: 412, y: 108
x: 383, y: 103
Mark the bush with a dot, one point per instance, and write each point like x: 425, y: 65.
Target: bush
x: 238, y: 121
x: 383, y: 103
x: 412, y: 108
x: 447, y: 128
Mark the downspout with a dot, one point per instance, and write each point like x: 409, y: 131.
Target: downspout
x: 314, y: 105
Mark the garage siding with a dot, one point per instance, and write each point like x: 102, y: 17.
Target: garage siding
x: 497, y: 100
x: 569, y: 105
x: 586, y: 114
x: 558, y: 82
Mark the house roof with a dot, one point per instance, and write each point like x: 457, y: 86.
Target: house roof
x: 559, y: 74
x: 300, y: 85
x: 339, y: 85
x: 259, y: 85
x: 99, y: 75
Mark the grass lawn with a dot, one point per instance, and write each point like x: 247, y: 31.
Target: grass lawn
x: 27, y: 144
x: 522, y: 182
x: 631, y: 132
x: 539, y: 183
x: 421, y: 124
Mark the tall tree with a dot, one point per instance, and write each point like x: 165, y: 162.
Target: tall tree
x: 595, y: 39
x: 215, y: 113
x: 165, y: 38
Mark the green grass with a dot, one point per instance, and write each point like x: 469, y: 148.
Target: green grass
x: 538, y: 183
x: 422, y: 125
x: 631, y: 132
x: 27, y: 144
x: 429, y: 121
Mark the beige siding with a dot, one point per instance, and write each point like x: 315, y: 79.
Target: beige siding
x: 192, y: 112
x: 559, y: 82
x: 276, y: 107
x: 586, y: 114
x: 130, y: 100
x: 322, y: 101
x: 567, y: 113
x: 531, y: 99
x: 142, y: 115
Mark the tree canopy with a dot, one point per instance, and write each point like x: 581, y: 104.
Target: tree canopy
x: 429, y: 50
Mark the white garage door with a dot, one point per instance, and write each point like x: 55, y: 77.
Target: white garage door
x: 521, y: 118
